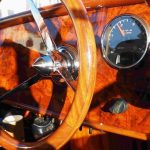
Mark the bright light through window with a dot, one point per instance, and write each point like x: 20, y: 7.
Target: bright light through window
x: 10, y: 7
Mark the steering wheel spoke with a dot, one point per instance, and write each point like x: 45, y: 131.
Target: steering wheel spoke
x: 57, y: 55
x: 66, y: 75
x: 46, y: 36
x: 24, y: 85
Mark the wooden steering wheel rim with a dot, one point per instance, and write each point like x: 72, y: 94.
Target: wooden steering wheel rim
x: 85, y: 87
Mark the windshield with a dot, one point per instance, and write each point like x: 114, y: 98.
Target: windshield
x: 11, y: 7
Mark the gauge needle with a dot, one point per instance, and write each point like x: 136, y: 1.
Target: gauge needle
x: 118, y: 59
x: 121, y: 30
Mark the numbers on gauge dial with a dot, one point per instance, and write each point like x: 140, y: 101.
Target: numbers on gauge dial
x: 124, y: 41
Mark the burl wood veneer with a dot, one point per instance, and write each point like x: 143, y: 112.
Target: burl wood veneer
x: 45, y: 96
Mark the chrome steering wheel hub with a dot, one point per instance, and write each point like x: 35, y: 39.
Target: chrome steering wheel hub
x: 63, y: 61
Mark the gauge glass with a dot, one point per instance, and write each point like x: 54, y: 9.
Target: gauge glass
x: 124, y: 41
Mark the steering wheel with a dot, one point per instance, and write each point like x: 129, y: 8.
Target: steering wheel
x: 84, y: 91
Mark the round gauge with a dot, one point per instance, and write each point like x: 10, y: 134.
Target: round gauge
x: 124, y: 41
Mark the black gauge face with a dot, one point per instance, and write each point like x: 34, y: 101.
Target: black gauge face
x: 124, y: 41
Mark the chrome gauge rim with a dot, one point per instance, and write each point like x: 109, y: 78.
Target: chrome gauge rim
x: 107, y: 33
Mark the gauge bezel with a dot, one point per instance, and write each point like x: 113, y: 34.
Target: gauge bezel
x: 146, y: 28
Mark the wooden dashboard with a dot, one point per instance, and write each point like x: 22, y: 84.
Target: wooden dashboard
x: 19, y: 45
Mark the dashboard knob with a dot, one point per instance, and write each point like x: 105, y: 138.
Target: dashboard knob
x: 118, y: 106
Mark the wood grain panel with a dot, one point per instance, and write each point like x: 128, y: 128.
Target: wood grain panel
x: 126, y: 84
x: 111, y: 83
x: 59, y: 10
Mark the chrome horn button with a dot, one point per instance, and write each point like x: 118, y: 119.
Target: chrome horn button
x: 63, y: 62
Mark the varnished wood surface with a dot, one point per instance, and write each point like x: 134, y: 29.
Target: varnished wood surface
x: 111, y: 83
x: 59, y: 10
x: 126, y: 84
x: 104, y: 141
x: 148, y: 2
